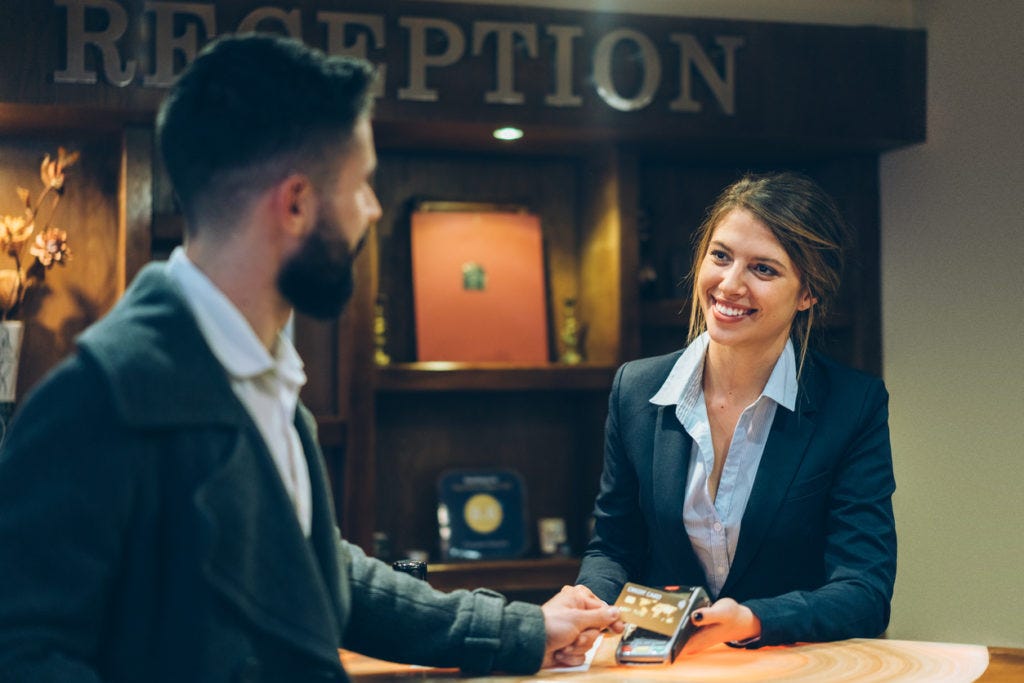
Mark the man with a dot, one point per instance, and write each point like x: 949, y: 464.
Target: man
x: 164, y: 514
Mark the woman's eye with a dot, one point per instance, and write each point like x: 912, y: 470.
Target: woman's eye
x: 718, y: 255
x: 762, y: 269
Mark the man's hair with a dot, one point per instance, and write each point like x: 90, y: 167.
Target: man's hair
x: 250, y: 110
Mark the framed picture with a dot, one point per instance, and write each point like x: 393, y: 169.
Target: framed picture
x: 479, y: 292
x: 481, y: 514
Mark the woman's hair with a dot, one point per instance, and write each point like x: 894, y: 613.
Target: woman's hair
x: 806, y: 222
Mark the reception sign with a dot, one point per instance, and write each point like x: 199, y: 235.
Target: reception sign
x: 640, y: 76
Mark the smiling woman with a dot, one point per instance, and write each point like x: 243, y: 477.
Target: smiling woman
x: 792, y: 231
x: 781, y: 503
x: 748, y: 289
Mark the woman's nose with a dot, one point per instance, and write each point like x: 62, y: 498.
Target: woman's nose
x: 732, y: 280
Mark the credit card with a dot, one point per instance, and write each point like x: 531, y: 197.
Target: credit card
x: 652, y: 608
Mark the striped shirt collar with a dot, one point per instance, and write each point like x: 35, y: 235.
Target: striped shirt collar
x: 683, y: 386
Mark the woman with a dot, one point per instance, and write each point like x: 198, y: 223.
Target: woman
x: 745, y: 462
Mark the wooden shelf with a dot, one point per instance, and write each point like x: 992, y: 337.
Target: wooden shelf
x: 451, y: 376
x: 506, y: 576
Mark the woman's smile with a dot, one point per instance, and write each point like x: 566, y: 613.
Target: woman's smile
x: 731, y: 311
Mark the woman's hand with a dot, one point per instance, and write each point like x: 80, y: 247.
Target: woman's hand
x: 726, y: 621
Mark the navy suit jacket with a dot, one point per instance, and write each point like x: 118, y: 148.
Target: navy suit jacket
x: 816, y: 555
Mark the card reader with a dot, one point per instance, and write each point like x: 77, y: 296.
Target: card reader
x: 643, y: 646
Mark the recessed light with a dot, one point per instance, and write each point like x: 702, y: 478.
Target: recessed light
x: 508, y: 133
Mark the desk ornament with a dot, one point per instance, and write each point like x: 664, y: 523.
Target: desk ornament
x: 481, y: 514
x: 380, y: 333
x: 570, y: 334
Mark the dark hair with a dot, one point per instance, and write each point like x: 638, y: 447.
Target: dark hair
x: 806, y: 222
x: 250, y: 110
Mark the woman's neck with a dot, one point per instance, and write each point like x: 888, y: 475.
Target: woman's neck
x: 738, y: 374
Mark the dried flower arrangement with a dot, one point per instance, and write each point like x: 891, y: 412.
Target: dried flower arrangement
x: 50, y: 246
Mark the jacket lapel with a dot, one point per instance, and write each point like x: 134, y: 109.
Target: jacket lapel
x: 324, y: 535
x: 672, y: 452
x: 783, y: 453
x: 256, y: 555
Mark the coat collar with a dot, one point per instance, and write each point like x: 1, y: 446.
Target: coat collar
x: 670, y: 442
x: 139, y: 344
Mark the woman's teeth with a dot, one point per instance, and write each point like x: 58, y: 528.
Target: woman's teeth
x: 729, y: 311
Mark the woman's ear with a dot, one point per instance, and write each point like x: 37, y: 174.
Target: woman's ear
x: 806, y: 300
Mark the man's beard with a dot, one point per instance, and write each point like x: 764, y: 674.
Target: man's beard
x: 317, y: 280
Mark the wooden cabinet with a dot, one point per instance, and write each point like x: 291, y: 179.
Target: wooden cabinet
x: 544, y: 421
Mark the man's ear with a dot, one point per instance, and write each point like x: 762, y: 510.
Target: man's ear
x: 294, y: 204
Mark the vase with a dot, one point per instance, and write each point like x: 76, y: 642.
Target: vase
x: 11, y: 332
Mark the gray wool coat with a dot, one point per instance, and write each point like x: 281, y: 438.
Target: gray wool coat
x: 146, y: 536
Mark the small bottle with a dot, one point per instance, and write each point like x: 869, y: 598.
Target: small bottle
x: 381, y: 546
x: 570, y: 334
x: 380, y: 333
x: 414, y: 568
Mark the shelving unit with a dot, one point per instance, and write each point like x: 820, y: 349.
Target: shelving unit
x: 544, y: 421
x: 389, y: 431
x: 530, y: 579
x: 615, y: 191
x: 453, y: 376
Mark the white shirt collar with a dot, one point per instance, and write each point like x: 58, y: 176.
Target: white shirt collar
x: 231, y: 338
x: 683, y: 385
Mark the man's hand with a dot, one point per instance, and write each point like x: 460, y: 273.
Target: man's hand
x: 573, y: 619
x: 726, y: 621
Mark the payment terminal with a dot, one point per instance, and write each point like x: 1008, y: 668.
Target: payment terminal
x: 657, y: 622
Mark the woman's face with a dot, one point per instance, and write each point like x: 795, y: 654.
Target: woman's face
x: 750, y: 290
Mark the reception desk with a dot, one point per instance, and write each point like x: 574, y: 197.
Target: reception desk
x: 853, y: 661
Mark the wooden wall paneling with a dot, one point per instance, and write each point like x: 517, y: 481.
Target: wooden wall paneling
x: 854, y: 333
x: 135, y: 202
x: 71, y: 297
x: 356, y: 395
x: 629, y: 255
x: 318, y: 345
x: 608, y: 256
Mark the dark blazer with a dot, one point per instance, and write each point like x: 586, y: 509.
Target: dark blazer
x: 145, y: 534
x: 816, y: 556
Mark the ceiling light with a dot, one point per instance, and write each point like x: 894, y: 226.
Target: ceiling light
x: 508, y: 133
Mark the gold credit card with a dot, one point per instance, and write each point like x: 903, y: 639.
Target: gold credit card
x: 652, y: 608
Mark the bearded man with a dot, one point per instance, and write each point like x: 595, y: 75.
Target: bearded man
x: 164, y: 512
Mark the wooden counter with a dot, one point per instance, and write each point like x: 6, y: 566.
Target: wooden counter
x: 853, y: 661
